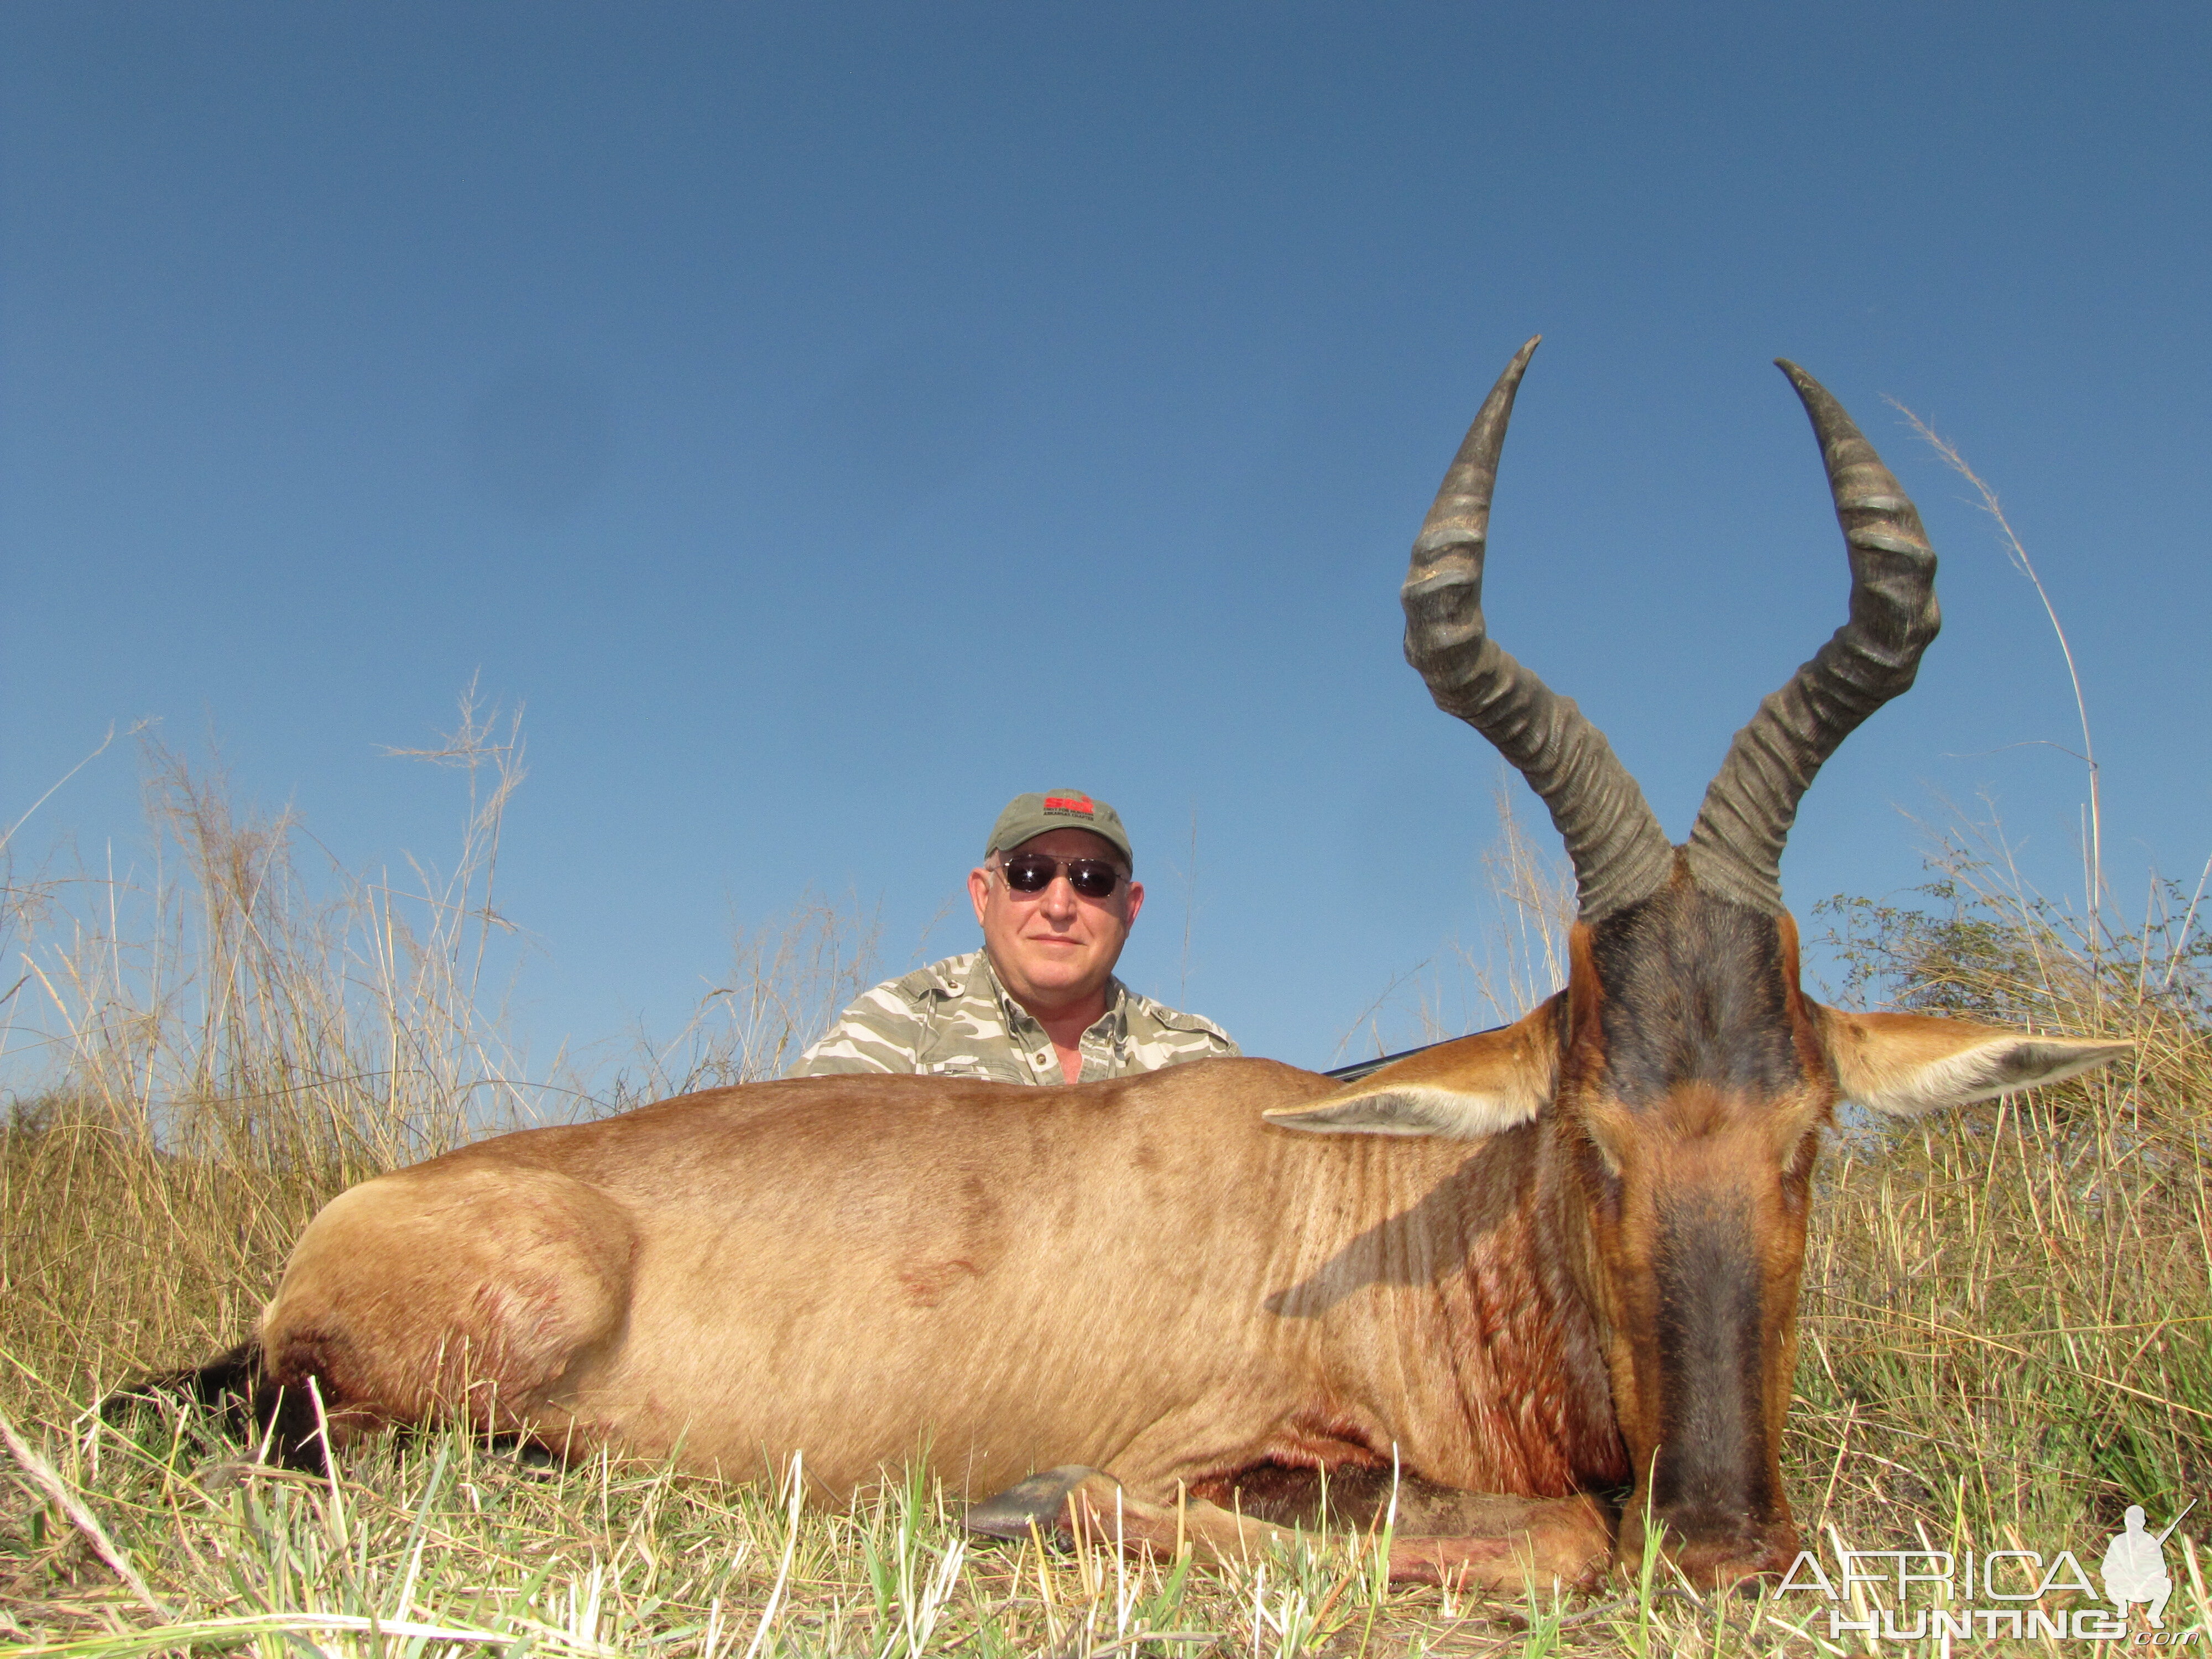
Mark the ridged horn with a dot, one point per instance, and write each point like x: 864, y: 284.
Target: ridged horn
x: 1735, y: 850
x: 1620, y: 854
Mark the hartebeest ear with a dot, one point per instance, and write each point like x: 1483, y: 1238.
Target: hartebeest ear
x: 1459, y: 1090
x: 1909, y: 1064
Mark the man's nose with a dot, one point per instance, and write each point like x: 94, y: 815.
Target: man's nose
x: 1058, y: 898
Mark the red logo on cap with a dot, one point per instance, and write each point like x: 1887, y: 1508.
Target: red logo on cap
x: 1069, y: 804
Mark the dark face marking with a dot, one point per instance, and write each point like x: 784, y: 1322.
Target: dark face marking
x: 1695, y: 990
x: 1713, y: 1470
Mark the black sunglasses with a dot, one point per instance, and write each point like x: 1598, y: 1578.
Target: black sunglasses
x: 1032, y: 872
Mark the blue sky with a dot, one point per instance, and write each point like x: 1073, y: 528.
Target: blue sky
x: 830, y: 421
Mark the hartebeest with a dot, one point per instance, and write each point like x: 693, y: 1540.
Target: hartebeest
x: 1497, y: 1277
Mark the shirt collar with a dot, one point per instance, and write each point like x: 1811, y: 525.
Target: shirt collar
x: 1112, y: 1026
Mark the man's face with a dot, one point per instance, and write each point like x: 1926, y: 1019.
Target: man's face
x: 1054, y: 949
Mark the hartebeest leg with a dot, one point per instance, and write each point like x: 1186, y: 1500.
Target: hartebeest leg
x: 1523, y: 1540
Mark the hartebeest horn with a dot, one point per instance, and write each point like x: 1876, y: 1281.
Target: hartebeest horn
x: 1734, y: 849
x: 1621, y: 853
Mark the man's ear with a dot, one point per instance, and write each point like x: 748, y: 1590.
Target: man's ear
x: 1907, y: 1065
x: 1459, y: 1090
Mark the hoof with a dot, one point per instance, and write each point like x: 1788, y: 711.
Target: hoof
x: 1040, y: 1501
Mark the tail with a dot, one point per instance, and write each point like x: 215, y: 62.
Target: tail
x: 226, y: 1383
x: 235, y: 1386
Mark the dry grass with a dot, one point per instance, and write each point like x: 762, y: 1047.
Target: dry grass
x: 204, y: 1050
x: 2006, y: 1327
x: 2008, y: 1319
x: 1521, y: 959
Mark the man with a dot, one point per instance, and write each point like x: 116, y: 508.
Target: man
x: 1039, y: 1003
x: 2134, y: 1567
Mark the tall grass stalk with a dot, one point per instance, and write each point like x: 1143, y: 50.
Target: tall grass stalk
x: 1519, y: 960
x: 787, y: 980
x: 2093, y: 840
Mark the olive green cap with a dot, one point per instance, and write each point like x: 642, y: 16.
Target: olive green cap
x: 1057, y: 809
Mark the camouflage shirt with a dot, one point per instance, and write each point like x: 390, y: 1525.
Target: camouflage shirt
x: 953, y: 1019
